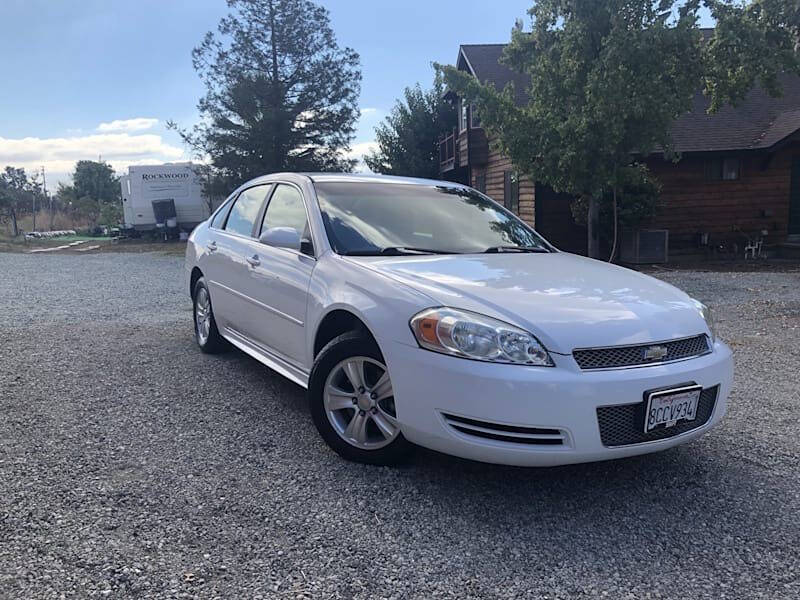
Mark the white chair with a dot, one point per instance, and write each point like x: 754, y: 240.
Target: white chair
x: 753, y: 247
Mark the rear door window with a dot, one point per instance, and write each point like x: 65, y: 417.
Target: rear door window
x: 245, y: 210
x: 219, y: 218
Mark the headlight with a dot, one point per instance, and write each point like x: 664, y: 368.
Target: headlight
x: 470, y: 335
x: 705, y: 312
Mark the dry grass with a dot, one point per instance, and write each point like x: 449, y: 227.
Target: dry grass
x: 18, y: 244
x: 60, y: 221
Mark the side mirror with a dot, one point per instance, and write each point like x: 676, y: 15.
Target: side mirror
x: 281, y: 237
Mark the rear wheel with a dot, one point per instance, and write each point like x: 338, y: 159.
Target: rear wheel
x: 352, y: 402
x: 205, y: 327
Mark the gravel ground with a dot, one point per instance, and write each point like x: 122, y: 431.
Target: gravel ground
x: 133, y: 465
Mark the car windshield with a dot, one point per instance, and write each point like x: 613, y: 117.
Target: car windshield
x: 364, y: 218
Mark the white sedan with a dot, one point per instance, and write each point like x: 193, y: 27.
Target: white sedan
x: 422, y: 312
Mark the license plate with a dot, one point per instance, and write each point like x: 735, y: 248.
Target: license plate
x: 669, y: 407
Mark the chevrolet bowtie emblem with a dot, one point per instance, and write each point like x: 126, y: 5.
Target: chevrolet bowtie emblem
x: 654, y: 353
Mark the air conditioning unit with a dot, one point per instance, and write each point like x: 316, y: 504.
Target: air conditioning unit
x: 644, y: 246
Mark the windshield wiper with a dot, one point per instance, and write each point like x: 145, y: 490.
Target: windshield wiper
x: 398, y: 250
x: 499, y: 249
x: 395, y: 251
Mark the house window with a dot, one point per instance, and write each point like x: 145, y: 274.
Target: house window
x: 511, y: 191
x: 730, y: 169
x: 462, y: 121
x: 475, y: 120
x: 723, y: 169
x: 480, y: 183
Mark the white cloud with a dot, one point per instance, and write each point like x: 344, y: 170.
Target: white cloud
x: 301, y: 121
x: 358, y: 150
x: 137, y: 124
x: 59, y: 155
x: 368, y: 111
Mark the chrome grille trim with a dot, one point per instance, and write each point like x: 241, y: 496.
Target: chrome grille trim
x: 512, y: 434
x: 615, y: 357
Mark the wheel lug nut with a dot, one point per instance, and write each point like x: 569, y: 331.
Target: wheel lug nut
x: 373, y: 395
x: 361, y: 390
x: 355, y: 400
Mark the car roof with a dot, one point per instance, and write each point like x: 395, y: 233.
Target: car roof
x: 374, y: 178
x: 350, y: 178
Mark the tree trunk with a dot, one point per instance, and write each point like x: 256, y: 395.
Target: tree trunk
x: 14, y: 222
x: 616, y: 228
x: 593, y: 228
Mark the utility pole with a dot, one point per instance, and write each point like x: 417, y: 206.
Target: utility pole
x: 47, y: 197
x: 33, y: 200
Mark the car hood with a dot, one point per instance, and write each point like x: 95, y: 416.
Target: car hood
x: 567, y: 301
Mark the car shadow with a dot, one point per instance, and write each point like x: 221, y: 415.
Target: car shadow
x: 694, y: 487
x: 687, y: 488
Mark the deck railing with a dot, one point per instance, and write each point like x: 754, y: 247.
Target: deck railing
x: 447, y: 151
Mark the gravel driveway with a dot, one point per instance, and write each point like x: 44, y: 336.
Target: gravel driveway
x: 133, y: 465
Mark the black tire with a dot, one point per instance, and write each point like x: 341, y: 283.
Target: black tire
x: 214, y: 343
x: 353, y: 344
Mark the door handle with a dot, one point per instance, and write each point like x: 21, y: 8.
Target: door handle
x: 211, y: 246
x: 254, y: 260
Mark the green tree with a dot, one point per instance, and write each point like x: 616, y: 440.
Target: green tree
x: 96, y: 180
x: 64, y: 200
x: 16, y: 196
x: 281, y: 95
x: 95, y: 192
x: 408, y: 139
x: 609, y: 78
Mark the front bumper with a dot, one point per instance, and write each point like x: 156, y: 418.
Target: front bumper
x: 428, y: 386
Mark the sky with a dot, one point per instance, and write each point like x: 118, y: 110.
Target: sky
x: 90, y: 78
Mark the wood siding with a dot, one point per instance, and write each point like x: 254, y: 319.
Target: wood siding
x: 496, y: 166
x: 472, y: 148
x: 462, y: 149
x: 555, y: 222
x: 728, y: 211
x: 690, y: 205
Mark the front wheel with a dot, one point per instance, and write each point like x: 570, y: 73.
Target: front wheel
x: 352, y: 402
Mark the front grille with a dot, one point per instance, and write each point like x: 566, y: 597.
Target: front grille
x: 513, y: 434
x: 628, y: 356
x: 624, y: 424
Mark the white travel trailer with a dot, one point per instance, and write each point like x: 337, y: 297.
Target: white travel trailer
x: 147, y: 189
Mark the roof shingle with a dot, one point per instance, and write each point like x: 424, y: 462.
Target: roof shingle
x: 758, y: 122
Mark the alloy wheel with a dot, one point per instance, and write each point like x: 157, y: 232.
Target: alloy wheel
x: 359, y: 402
x: 202, y: 315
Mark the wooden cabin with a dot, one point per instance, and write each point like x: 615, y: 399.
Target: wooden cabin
x: 738, y: 178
